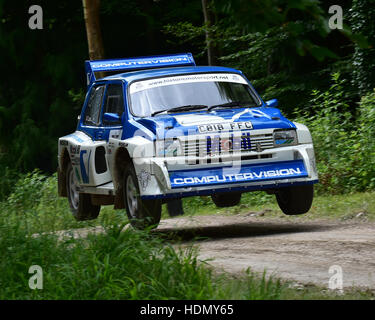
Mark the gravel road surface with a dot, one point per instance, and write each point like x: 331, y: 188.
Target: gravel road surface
x: 299, y: 251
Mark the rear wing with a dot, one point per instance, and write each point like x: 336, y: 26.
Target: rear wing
x: 173, y: 60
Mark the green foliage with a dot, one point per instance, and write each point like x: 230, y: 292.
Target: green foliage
x: 8, y: 179
x: 270, y: 60
x: 362, y: 16
x: 40, y: 68
x: 113, y: 265
x: 186, y: 32
x: 342, y: 139
x: 43, y: 70
x: 78, y: 98
x: 28, y: 191
x: 34, y: 201
x: 366, y: 133
x: 116, y: 263
x: 282, y: 46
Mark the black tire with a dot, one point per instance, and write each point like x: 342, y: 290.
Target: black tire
x: 175, y: 208
x: 80, y: 205
x: 223, y: 200
x: 295, y: 200
x: 142, y: 214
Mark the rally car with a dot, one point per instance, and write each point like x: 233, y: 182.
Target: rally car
x: 161, y: 128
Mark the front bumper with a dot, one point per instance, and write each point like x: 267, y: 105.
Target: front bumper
x: 271, y: 169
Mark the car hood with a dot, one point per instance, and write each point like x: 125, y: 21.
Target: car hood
x: 178, y: 124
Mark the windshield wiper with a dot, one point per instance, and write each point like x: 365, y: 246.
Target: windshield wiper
x: 230, y: 104
x: 182, y: 108
x: 159, y: 111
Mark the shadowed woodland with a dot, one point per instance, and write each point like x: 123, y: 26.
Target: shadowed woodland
x: 321, y: 76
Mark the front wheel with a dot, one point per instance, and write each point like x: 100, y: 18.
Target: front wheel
x: 295, y: 200
x: 80, y: 203
x: 141, y: 213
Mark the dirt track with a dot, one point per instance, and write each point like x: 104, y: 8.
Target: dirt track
x: 302, y: 251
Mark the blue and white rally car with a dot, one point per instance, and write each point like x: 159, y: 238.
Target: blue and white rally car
x: 167, y: 128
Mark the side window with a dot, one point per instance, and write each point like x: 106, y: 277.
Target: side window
x: 92, y: 112
x: 114, y: 102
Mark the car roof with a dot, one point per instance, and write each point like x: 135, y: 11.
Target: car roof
x: 160, y: 72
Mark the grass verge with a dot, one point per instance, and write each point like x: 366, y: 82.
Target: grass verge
x: 117, y: 264
x: 125, y: 264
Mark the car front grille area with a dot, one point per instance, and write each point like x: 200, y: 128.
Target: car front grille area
x: 226, y: 145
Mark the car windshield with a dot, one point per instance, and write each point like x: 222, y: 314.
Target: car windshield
x: 155, y: 96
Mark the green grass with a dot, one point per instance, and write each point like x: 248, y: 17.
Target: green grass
x: 117, y: 264
x: 125, y: 264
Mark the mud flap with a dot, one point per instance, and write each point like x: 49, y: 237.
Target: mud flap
x: 61, y: 183
x: 175, y: 208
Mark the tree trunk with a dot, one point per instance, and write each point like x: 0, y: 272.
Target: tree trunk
x: 209, y: 18
x: 91, y: 10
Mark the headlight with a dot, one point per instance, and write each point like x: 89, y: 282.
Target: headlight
x: 168, y: 148
x: 285, y: 138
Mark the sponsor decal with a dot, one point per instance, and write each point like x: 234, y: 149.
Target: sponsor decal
x: 197, y: 119
x: 144, y: 178
x: 77, y: 175
x: 137, y: 62
x: 238, y: 177
x: 116, y: 134
x: 252, y: 112
x: 63, y: 143
x: 122, y: 144
x: 111, y: 146
x: 220, y: 127
x: 74, y: 149
x: 204, y: 77
x: 275, y: 171
x: 85, y: 174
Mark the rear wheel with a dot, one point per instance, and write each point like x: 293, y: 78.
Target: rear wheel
x: 80, y: 203
x: 295, y: 200
x: 141, y: 213
x: 223, y: 200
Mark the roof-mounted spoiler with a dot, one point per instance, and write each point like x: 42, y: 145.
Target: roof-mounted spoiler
x: 173, y: 60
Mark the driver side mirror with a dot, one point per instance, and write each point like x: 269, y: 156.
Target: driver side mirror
x: 111, y: 117
x: 272, y: 103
